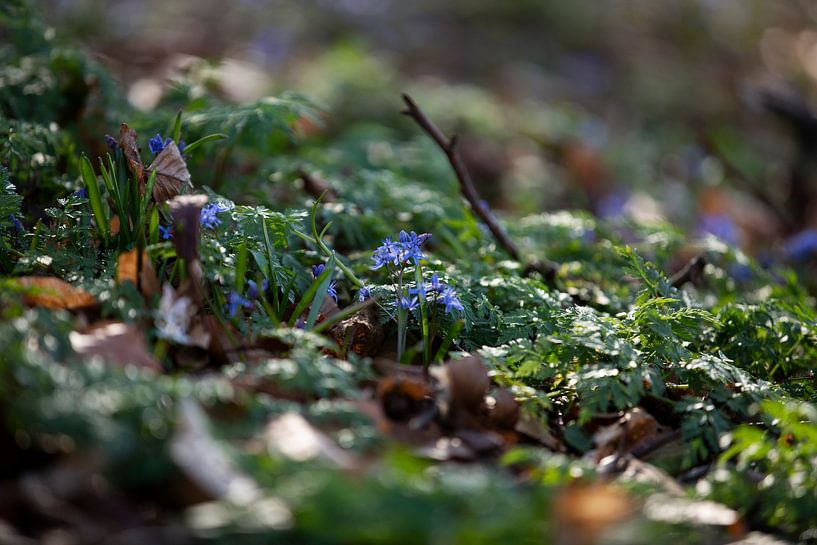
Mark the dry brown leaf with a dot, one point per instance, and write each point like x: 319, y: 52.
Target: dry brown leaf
x: 293, y: 436
x: 127, y: 141
x: 583, y: 513
x: 634, y: 428
x: 127, y: 269
x: 171, y: 173
x: 114, y: 225
x: 361, y: 334
x: 467, y: 382
x: 116, y: 342
x: 51, y: 292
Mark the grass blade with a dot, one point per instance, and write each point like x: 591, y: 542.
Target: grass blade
x: 209, y: 138
x: 94, y: 197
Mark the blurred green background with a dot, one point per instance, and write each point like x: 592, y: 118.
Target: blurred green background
x: 655, y: 109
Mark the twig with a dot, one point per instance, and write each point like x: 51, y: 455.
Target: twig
x: 316, y: 186
x: 449, y: 147
x: 692, y: 272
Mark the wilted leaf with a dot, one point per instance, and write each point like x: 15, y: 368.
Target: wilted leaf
x: 171, y: 173
x: 115, y: 342
x: 127, y: 141
x: 53, y: 293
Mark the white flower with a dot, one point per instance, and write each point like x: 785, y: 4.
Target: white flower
x: 173, y: 318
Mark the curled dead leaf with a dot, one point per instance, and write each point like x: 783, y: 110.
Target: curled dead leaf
x: 51, y: 292
x: 171, y: 173
x: 116, y: 342
x: 130, y: 148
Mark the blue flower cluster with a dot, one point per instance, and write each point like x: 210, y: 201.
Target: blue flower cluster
x: 438, y: 292
x: 209, y: 215
x: 405, y: 250
x: 363, y: 293
x: 156, y: 144
x: 332, y: 290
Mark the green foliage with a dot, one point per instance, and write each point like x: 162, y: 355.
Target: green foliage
x: 607, y: 334
x: 769, y: 472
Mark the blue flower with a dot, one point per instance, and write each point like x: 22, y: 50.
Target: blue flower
x: 410, y: 245
x: 156, y: 144
x: 252, y: 291
x: 166, y: 232
x: 435, y: 284
x: 15, y: 223
x: 332, y: 290
x: 235, y: 301
x: 407, y: 303
x: 450, y: 300
x: 419, y: 291
x: 364, y: 293
x: 801, y: 246
x: 181, y: 145
x: 111, y: 142
x: 209, y: 215
x: 388, y: 252
x: 81, y: 193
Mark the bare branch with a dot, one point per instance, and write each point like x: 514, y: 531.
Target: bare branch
x: 449, y: 147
